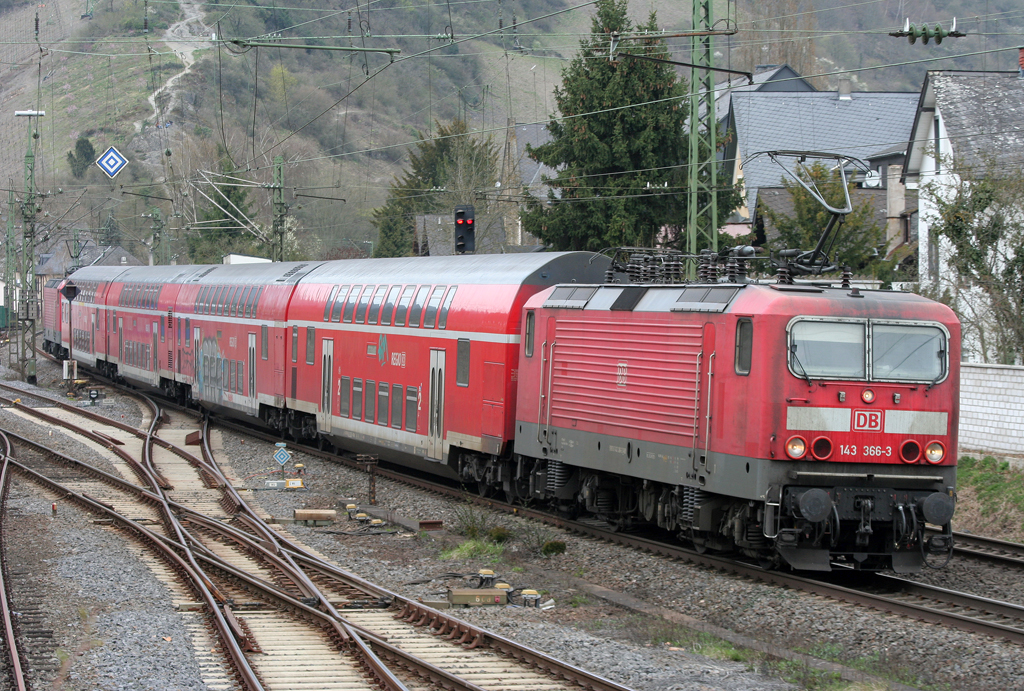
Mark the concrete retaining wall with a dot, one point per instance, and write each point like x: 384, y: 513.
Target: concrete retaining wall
x: 992, y: 409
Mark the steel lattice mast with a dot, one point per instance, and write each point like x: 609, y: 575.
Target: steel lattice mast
x: 702, y: 209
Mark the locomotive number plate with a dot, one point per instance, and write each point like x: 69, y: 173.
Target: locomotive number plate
x: 866, y: 450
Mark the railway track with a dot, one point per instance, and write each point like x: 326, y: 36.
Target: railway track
x: 296, y: 620
x: 889, y: 594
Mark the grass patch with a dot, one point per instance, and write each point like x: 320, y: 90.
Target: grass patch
x: 472, y: 521
x: 990, y: 498
x: 474, y: 549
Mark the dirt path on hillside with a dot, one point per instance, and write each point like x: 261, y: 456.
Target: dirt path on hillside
x: 184, y: 37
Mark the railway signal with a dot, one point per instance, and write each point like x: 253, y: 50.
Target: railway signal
x: 927, y: 33
x: 465, y: 229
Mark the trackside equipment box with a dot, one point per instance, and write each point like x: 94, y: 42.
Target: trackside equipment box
x: 475, y: 597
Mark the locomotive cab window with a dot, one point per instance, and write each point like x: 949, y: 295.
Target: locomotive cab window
x: 907, y: 352
x: 744, y: 345
x: 828, y: 349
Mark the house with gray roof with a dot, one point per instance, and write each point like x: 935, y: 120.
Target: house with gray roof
x: 963, y: 120
x: 855, y: 123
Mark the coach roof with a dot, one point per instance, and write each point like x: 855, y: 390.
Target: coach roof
x: 537, y: 268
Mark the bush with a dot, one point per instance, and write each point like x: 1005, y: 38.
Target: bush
x: 499, y: 535
x: 472, y: 521
x: 553, y: 547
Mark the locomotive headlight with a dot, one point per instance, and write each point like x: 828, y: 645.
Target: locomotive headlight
x: 867, y: 395
x: 796, y: 447
x: 934, y: 452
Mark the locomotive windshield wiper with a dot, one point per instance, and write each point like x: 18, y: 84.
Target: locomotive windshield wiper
x: 796, y: 361
x: 942, y: 371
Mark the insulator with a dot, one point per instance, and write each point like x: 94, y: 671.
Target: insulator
x: 659, y: 272
x: 741, y: 270
x: 730, y: 269
x: 712, y: 269
x: 501, y: 23
x: 783, y: 275
x: 350, y: 22
x: 558, y: 475
x: 847, y: 275
x: 609, y: 276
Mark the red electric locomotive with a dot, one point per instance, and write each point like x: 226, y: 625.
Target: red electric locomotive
x: 803, y: 424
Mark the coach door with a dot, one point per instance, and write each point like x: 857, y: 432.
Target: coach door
x: 252, y: 372
x: 703, y: 389
x: 326, y: 384
x: 435, y: 420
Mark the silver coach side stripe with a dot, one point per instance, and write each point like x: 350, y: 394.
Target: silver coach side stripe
x: 916, y: 422
x: 818, y: 419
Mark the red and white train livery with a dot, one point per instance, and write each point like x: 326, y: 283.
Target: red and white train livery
x: 802, y: 424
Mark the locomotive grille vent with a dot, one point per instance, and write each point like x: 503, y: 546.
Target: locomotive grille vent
x: 292, y: 271
x: 558, y: 475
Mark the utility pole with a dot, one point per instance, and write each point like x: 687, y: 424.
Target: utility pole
x: 702, y: 210
x: 10, y: 270
x: 28, y: 305
x: 159, y: 252
x: 280, y: 210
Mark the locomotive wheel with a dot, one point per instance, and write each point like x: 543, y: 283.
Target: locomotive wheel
x: 484, y: 490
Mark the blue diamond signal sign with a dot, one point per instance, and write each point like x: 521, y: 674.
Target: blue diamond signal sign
x: 111, y: 162
x: 282, y: 456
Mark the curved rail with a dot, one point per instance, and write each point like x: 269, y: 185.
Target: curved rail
x: 11, y: 639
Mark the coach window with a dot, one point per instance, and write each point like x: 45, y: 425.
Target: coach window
x: 462, y: 363
x: 411, y: 406
x: 364, y: 303
x: 218, y: 301
x: 346, y: 396
x: 382, y: 404
x: 199, y: 298
x: 403, y: 305
x: 350, y: 304
x: 339, y: 304
x: 295, y: 344
x: 417, y: 306
x: 256, y: 302
x: 310, y: 344
x: 233, y: 301
x: 249, y: 300
x: 529, y: 334
x: 744, y: 345
x: 430, y: 315
x: 243, y: 293
x: 204, y: 306
x: 389, y: 305
x: 442, y: 321
x: 264, y: 339
x: 330, y: 301
x: 357, y: 399
x: 396, y: 406
x: 371, y: 395
x: 378, y: 298
x: 188, y: 330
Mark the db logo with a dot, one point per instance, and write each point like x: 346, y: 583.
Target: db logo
x: 867, y: 421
